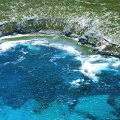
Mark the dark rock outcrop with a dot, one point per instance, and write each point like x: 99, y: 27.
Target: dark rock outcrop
x: 8, y: 28
x: 32, y: 26
x: 67, y: 33
x: 102, y: 47
x: 109, y: 53
x: 28, y: 26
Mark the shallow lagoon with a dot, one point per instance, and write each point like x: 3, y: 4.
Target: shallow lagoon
x: 51, y: 78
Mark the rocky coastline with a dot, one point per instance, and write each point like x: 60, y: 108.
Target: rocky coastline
x: 99, y: 45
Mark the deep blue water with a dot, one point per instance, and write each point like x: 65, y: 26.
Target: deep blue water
x: 38, y: 80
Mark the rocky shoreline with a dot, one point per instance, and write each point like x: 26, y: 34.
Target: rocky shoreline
x: 99, y: 45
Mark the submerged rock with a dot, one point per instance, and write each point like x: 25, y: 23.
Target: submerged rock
x: 72, y: 104
x: 114, y: 101
x: 40, y: 108
x: 87, y: 115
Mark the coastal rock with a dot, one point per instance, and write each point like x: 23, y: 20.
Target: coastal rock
x: 102, y: 47
x: 109, y: 53
x: 67, y: 33
x: 32, y: 26
x: 50, y: 32
x: 83, y: 39
x: 8, y: 28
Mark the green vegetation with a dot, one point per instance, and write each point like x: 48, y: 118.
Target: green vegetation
x: 80, y: 15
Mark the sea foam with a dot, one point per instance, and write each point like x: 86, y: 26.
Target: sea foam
x: 93, y: 66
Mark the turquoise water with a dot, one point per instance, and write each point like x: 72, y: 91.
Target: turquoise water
x: 41, y: 79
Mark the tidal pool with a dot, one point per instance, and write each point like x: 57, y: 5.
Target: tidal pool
x: 51, y: 78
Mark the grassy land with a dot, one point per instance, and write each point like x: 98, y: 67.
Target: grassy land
x: 80, y: 15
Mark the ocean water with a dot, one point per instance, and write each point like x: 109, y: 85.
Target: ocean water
x: 44, y: 80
